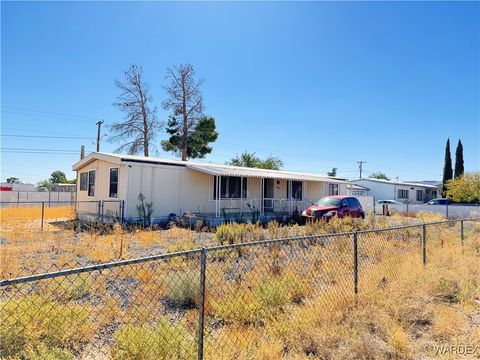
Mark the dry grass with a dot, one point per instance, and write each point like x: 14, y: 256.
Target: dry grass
x: 290, y: 301
x: 26, y: 249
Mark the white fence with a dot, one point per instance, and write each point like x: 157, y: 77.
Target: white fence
x: 37, y: 196
x: 367, y: 203
x: 449, y: 211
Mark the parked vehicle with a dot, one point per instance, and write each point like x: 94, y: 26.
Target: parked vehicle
x: 330, y: 206
x: 388, y: 202
x: 439, y: 201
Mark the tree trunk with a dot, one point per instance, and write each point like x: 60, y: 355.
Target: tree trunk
x: 145, y: 125
x: 185, y: 123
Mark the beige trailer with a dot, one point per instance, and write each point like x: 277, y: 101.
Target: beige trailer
x: 204, y: 189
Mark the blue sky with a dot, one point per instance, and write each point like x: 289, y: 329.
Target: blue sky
x: 319, y: 85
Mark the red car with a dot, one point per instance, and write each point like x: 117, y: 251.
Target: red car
x: 329, y: 206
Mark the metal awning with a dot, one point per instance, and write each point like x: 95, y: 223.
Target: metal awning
x: 217, y: 170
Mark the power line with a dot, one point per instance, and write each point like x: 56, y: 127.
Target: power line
x: 55, y: 152
x: 37, y: 149
x: 50, y: 117
x: 38, y: 131
x: 47, y: 137
x: 49, y: 112
x: 47, y: 117
x: 244, y: 146
x: 38, y: 153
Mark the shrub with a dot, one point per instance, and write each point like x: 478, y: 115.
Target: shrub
x: 273, y: 294
x: 238, y: 233
x: 69, y: 289
x: 297, y: 289
x: 35, y: 323
x: 183, y: 289
x: 239, y: 306
x: 163, y: 341
x: 448, y: 290
x: 43, y: 353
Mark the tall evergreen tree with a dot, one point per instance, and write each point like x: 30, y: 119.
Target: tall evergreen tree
x: 191, y: 132
x: 459, y: 160
x: 447, y: 167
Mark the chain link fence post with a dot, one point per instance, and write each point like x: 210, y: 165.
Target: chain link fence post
x: 462, y: 234
x: 424, y: 244
x: 201, y: 305
x: 355, y: 264
x: 122, y: 212
x: 43, y: 213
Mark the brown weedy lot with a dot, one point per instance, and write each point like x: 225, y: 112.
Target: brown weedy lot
x: 291, y: 299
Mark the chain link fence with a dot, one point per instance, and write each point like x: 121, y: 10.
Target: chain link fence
x: 211, y: 303
x: 39, y: 213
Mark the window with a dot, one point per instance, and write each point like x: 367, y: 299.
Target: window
x: 296, y: 190
x: 419, y: 195
x: 113, y: 192
x: 91, y: 183
x: 352, y: 202
x: 83, y: 181
x: 402, y: 194
x: 332, y: 189
x: 231, y: 187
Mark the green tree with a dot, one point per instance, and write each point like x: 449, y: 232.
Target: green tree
x: 197, y: 141
x: 44, y: 184
x: 447, y: 167
x: 332, y: 173
x: 247, y: 159
x: 379, y: 175
x: 190, y: 130
x: 58, y: 177
x: 465, y: 188
x: 13, y: 180
x: 459, y: 160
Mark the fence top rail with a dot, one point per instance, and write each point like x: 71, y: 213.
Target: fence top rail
x: 92, y: 268
x: 114, y: 264
x: 53, y: 201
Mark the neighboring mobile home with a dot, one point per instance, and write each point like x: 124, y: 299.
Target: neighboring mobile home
x: 204, y: 189
x: 413, y: 193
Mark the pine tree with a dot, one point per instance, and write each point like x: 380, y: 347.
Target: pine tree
x: 459, y: 160
x: 447, y: 167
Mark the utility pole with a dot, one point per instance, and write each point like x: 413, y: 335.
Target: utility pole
x: 360, y: 166
x: 99, y: 124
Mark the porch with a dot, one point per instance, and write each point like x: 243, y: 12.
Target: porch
x: 246, y: 192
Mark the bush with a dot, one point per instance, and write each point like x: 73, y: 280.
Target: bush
x: 75, y: 289
x: 42, y: 353
x: 163, y: 341
x: 238, y: 233
x: 239, y: 306
x: 297, y: 289
x: 183, y: 289
x: 35, y: 323
x: 448, y: 290
x: 273, y: 294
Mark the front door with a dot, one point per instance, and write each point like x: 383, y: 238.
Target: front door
x: 268, y: 188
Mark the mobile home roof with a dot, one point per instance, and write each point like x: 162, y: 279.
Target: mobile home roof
x: 209, y: 168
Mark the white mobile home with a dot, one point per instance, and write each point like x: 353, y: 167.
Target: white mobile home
x: 413, y: 193
x: 206, y: 189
